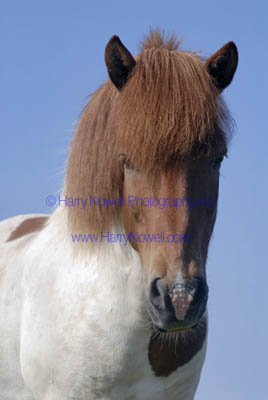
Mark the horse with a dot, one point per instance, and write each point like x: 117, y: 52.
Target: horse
x: 106, y: 298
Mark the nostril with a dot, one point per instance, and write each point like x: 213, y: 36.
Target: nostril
x: 154, y: 292
x: 192, y: 287
x: 159, y: 293
x: 198, y: 288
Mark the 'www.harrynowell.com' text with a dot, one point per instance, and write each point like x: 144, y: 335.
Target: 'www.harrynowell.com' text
x: 110, y: 237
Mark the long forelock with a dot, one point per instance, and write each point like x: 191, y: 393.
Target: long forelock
x: 169, y: 109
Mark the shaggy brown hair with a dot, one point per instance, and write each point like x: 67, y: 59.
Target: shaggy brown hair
x: 168, y: 110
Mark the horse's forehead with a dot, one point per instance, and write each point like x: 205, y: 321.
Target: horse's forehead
x: 165, y: 179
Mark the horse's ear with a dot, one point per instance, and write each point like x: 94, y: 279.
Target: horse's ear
x: 119, y: 62
x: 222, y: 65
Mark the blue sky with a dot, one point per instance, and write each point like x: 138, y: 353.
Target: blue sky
x: 52, y: 58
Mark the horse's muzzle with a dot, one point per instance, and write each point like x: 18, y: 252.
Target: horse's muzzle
x: 179, y: 306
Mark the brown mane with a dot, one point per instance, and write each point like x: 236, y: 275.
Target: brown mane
x: 168, y: 110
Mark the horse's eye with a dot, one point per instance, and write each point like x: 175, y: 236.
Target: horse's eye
x: 127, y: 164
x: 216, y: 163
x: 125, y: 161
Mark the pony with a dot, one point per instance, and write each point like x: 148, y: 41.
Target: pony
x: 106, y: 298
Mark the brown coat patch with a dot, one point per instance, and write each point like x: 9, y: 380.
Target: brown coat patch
x: 166, y: 353
x: 28, y: 226
x: 168, y: 109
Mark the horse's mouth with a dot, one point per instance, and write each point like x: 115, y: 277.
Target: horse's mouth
x: 177, y: 330
x: 181, y: 329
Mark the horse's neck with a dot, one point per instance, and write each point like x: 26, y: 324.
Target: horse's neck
x: 115, y: 266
